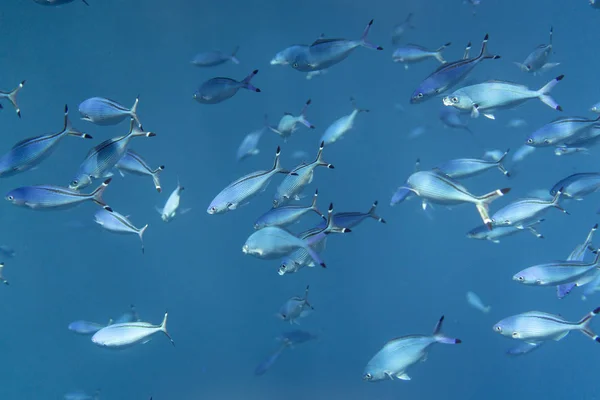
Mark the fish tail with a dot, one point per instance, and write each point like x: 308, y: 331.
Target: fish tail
x: 363, y: 38
x: 12, y: 97
x: 303, y: 119
x: 319, y: 160
x: 313, y: 254
x: 136, y: 129
x: 555, y: 200
x: 484, y: 54
x: 353, y: 101
x: 584, y: 325
x: 246, y: 82
x: 440, y: 337
x: 234, y: 58
x: 313, y: 206
x: 372, y: 213
x: 467, y: 51
x: 331, y: 227
x: 156, y: 178
x: 277, y: 163
x: 438, y: 53
x: 133, y: 111
x: 96, y: 195
x: 68, y: 128
x: 483, y: 203
x: 501, y: 166
x: 163, y: 328
x: 141, y: 235
x: 544, y: 93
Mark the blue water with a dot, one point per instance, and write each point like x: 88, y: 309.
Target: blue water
x: 382, y: 281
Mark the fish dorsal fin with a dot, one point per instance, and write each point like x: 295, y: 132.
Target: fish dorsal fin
x: 321, y: 41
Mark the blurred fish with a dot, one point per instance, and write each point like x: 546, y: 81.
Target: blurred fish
x: 79, y: 394
x: 295, y: 181
x: 268, y: 362
x: 565, y: 151
x: 400, y: 29
x: 413, y: 53
x: 295, y: 308
x: 169, y: 211
x: 297, y: 337
x: 213, y: 58
x: 474, y: 4
x: 484, y: 98
x: 135, y: 164
x: 451, y: 118
x: 324, y: 53
x: 58, y: 3
x: 102, y: 111
x: 312, y: 74
x: 288, y: 124
x: 537, y: 60
x: 516, y: 123
x: 521, y: 212
x: 300, y: 154
x: 101, y: 159
x: 595, y: 4
x: 578, y: 254
x: 340, y: 126
x: 12, y: 95
x: 558, y: 273
x: 449, y: 75
x: 461, y: 168
x: 523, y: 348
x: 521, y: 153
x: 7, y: 251
x: 416, y: 132
x: 85, y: 327
x: 219, y: 89
x: 55, y: 197
x: 475, y: 301
x: 536, y: 326
x: 397, y: 355
x: 249, y: 146
x: 117, y: 336
x: 129, y: 316
x: 576, y: 186
x: 114, y: 222
x: 595, y: 108
x: 351, y: 219
x: 29, y: 153
x: 483, y: 232
x: 286, y: 215
x: 558, y: 131
x: 241, y: 191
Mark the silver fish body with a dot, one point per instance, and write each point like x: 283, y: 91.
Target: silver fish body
x: 217, y: 90
x: 413, y: 53
x: 103, y: 111
x: 214, y: 58
x: 118, y: 336
x: 538, y: 59
x: 295, y: 308
x: 85, y: 327
x: 288, y: 124
x: 576, y: 186
x: 341, y: 126
x: 117, y: 223
x: 558, y: 273
x: 483, y: 232
x: 521, y: 212
x: 467, y: 167
x: 249, y: 145
x: 560, y: 131
x: 286, y: 215
x: 171, y: 207
x: 134, y: 163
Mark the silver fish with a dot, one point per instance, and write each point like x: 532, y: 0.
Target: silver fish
x: 85, y: 327
x: 340, y: 126
x: 214, y: 58
x: 483, y: 232
x: 353, y: 218
x: 559, y: 131
x: 135, y: 164
x: 400, y: 29
x: 169, y: 211
x: 117, y: 223
x: 538, y: 59
x: 79, y: 394
x: 217, y: 90
x: 12, y: 97
x: 475, y: 301
x: 286, y: 215
x: 249, y: 146
x: 565, y: 151
x: 295, y: 308
x: 268, y: 362
x: 117, y: 336
x: 558, y: 273
x: 577, y: 186
x: 521, y: 212
x: 467, y: 167
x: 102, y: 111
x: 413, y: 53
x: 451, y: 118
x: 288, y: 124
x: 578, y: 254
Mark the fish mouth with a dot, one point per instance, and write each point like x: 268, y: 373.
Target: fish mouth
x: 447, y: 101
x: 245, y: 249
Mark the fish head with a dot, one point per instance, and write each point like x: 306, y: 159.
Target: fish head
x: 477, y: 233
x: 541, y: 138
x: 506, y: 327
x: 458, y: 101
x: 425, y: 91
x: 527, y: 277
x: 372, y: 374
x: 17, y: 196
x: 80, y: 181
x: 280, y: 58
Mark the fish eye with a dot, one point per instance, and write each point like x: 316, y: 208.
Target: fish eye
x: 10, y: 198
x: 507, y: 221
x: 547, y: 141
x: 295, y: 65
x: 368, y: 376
x: 454, y: 99
x: 515, y: 334
x: 419, y: 95
x: 75, y: 182
x: 520, y: 278
x: 498, y: 328
x: 530, y: 140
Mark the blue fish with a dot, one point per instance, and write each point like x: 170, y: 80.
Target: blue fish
x: 249, y: 146
x: 28, y: 153
x: 82, y: 327
x: 45, y: 197
x: 576, y: 186
x: 102, y: 111
x: 114, y: 222
x: 219, y: 89
x: 214, y: 58
x: 134, y: 163
x: 351, y: 219
x: 449, y: 75
x: 268, y: 362
x: 129, y: 316
x: 12, y: 97
x: 284, y: 216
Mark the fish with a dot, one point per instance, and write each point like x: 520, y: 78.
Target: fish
x: 28, y: 153
x: 129, y: 316
x: 268, y: 362
x: 288, y: 124
x: 101, y: 159
x: 296, y: 336
x: 538, y: 59
x: 12, y: 97
x: 578, y: 254
x: 520, y: 212
x: 342, y: 125
x: 351, y: 219
x: 169, y: 211
x: 214, y: 58
x: 103, y: 111
x: 114, y: 222
x: 401, y: 28
x: 483, y: 232
x: 135, y: 164
x: 516, y: 123
x: 118, y: 336
x: 397, y: 355
x: 295, y: 308
x: 484, y: 98
x: 576, y: 186
x: 521, y: 153
x: 475, y: 301
x: 287, y: 55
x: 536, y: 326
x: 594, y: 4
x: 85, y: 328
x: 595, y: 108
x: 295, y: 181
x: 523, y: 348
x: 559, y: 131
x: 413, y: 53
x: 301, y: 258
x: 217, y: 90
x: 324, y: 53
x: 7, y: 251
x: 565, y: 151
x: 451, y: 118
x: 449, y: 75
x: 241, y: 191
x: 57, y: 2
x: 286, y: 215
x: 461, y: 168
x: 249, y: 146
x: 558, y: 273
x: 81, y: 395
x: 437, y: 188
x: 46, y: 197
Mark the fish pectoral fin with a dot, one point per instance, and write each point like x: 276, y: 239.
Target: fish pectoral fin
x: 404, y: 376
x: 489, y: 116
x: 231, y: 206
x: 475, y: 111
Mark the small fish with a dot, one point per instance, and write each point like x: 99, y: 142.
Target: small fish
x: 295, y: 308
x: 85, y: 328
x: 536, y: 326
x: 301, y: 258
x: 522, y: 211
x: 475, y: 301
x: 413, y: 53
x: 135, y: 164
x: 400, y: 29
x: 219, y: 89
x: 578, y: 254
x: 399, y: 354
x: 351, y: 219
x: 117, y: 336
x: 523, y: 348
x: 484, y: 98
x: 241, y: 191
x: 214, y: 58
x: 483, y: 232
x: 295, y: 181
x: 55, y: 197
x: 129, y: 316
x: 29, y: 153
x: 595, y: 108
x: 117, y: 223
x: 516, y: 123
x: 288, y: 124
x: 340, y: 126
x: 538, y: 59
x: 560, y: 130
x: 451, y: 118
x: 268, y: 362
x: 296, y: 337
x: 449, y: 75
x: 461, y: 168
x: 521, y: 153
x: 169, y: 211
x: 249, y: 146
x: 312, y: 74
x: 324, y: 53
x: 79, y: 394
x: 57, y: 2
x: 286, y: 215
x: 417, y: 131
x: 558, y: 273
x: 565, y: 151
x: 102, y: 111
x: 577, y: 186
x: 12, y: 97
